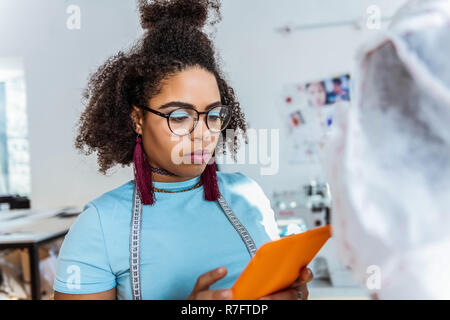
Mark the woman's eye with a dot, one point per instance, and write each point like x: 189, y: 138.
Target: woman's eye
x: 214, y: 116
x: 179, y: 118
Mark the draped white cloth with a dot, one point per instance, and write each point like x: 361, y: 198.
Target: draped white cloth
x: 388, y: 160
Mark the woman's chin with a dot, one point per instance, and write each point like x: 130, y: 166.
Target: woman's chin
x: 190, y: 170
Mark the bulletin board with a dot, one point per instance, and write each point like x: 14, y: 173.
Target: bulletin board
x: 308, y: 112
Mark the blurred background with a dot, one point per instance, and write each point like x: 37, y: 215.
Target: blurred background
x: 278, y: 55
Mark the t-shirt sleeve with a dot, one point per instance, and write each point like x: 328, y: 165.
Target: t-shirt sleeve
x: 269, y: 221
x: 83, y: 266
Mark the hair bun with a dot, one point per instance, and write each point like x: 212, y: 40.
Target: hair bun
x: 191, y: 12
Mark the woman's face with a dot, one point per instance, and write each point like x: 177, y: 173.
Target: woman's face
x: 317, y: 94
x: 164, y: 149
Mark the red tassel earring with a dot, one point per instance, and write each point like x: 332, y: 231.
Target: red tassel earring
x: 210, y: 182
x: 143, y: 174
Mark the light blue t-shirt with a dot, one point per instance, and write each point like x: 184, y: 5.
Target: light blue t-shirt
x: 183, y: 236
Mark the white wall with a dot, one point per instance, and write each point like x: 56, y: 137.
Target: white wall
x: 257, y: 60
x: 57, y: 62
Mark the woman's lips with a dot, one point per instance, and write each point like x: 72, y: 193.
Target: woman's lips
x: 199, y: 156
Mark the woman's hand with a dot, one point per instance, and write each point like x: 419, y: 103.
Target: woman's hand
x: 293, y: 293
x: 201, y: 289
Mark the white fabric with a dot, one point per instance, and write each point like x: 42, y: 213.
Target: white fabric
x: 388, y: 160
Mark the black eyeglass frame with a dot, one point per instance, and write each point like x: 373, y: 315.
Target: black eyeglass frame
x: 167, y: 116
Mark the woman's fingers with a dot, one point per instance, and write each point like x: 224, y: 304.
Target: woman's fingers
x: 303, y: 289
x: 209, y: 278
x: 305, y: 276
x: 289, y: 294
x: 201, y: 292
x: 224, y: 294
x: 205, y: 281
x: 300, y: 285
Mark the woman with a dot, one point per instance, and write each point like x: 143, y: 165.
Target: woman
x: 163, y: 107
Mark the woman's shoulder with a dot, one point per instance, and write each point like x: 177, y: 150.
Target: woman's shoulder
x: 101, y: 213
x: 114, y: 198
x: 240, y: 189
x: 239, y: 182
x: 234, y: 178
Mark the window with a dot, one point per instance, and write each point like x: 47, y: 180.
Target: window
x: 14, y: 148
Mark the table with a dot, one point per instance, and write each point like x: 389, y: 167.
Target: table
x: 29, y: 229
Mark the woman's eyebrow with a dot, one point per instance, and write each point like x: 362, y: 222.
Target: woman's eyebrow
x: 186, y: 105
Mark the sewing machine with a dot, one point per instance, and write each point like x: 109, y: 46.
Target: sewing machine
x: 305, y: 208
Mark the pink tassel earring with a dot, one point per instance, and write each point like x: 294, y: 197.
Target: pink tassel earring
x: 143, y: 174
x: 210, y: 182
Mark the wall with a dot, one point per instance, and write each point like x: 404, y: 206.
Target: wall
x: 257, y: 61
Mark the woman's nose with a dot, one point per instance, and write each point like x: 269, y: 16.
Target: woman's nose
x: 201, y: 130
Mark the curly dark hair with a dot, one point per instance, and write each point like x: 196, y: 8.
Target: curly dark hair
x: 173, y: 41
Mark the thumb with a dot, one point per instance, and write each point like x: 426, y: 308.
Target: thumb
x: 209, y: 278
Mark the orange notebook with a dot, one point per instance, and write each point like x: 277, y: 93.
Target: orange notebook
x: 277, y: 264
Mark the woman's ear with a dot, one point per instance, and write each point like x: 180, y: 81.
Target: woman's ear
x: 138, y: 119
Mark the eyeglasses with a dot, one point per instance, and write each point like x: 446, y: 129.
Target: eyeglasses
x: 182, y: 121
